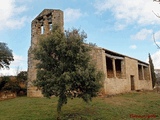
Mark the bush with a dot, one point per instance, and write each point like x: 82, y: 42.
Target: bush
x: 3, y: 82
x: 7, y: 84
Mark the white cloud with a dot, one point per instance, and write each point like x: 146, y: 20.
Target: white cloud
x: 18, y: 61
x: 23, y: 1
x: 156, y: 59
x: 142, y: 34
x: 72, y: 14
x: 6, y: 72
x: 16, y: 66
x: 133, y: 47
x: 119, y: 26
x: 130, y: 11
x: 10, y: 12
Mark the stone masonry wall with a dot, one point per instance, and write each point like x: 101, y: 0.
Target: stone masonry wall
x: 117, y: 85
x: 41, y: 26
x: 132, y: 69
x: 98, y: 58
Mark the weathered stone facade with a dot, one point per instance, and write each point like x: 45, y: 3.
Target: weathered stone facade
x: 41, y: 26
x: 122, y: 73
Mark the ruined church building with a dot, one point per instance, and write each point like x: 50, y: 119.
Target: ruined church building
x: 122, y: 73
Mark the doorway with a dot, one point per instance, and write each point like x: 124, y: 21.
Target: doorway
x: 132, y: 82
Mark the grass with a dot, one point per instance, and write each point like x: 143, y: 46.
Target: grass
x: 119, y: 107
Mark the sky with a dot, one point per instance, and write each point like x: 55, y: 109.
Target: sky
x: 125, y: 26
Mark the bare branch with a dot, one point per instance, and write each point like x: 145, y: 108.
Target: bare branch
x: 156, y: 0
x: 156, y: 14
x: 155, y: 42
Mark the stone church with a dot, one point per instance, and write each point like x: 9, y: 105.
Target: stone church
x: 122, y: 73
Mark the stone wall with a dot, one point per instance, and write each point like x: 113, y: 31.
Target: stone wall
x: 7, y: 95
x: 129, y: 70
x: 116, y: 86
x: 98, y: 58
x: 41, y: 26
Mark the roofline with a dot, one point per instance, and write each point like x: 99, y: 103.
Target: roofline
x: 124, y: 55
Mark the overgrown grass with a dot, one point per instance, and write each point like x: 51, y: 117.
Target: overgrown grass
x: 120, y: 107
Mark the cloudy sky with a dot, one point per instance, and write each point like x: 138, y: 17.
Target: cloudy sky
x: 125, y: 26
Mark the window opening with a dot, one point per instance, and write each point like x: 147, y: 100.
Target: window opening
x: 132, y: 82
x: 50, y: 26
x: 42, y: 29
x: 109, y: 65
x: 140, y: 72
x: 146, y: 73
x: 118, y: 68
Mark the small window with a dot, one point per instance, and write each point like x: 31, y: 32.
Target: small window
x: 42, y: 29
x: 50, y: 26
x: 140, y: 72
x: 118, y: 68
x: 109, y: 66
x: 146, y: 73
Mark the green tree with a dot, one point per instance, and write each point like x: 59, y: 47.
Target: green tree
x: 65, y: 68
x: 12, y: 86
x: 6, y: 84
x: 153, y: 75
x: 5, y: 55
x: 3, y: 81
x: 22, y: 81
x: 22, y: 77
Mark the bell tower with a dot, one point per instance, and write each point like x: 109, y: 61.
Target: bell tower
x: 41, y: 25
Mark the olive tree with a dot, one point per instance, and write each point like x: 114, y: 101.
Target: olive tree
x: 65, y: 68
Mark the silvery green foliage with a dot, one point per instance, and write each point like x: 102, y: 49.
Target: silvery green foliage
x: 65, y: 68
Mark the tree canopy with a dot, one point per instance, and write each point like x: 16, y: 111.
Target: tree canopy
x: 65, y: 68
x: 22, y: 76
x: 7, y: 84
x: 5, y: 55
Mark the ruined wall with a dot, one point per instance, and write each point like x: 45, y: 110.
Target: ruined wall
x: 146, y: 83
x: 7, y: 95
x: 133, y: 70
x: 98, y: 58
x: 41, y: 26
x: 117, y: 85
x: 129, y: 79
